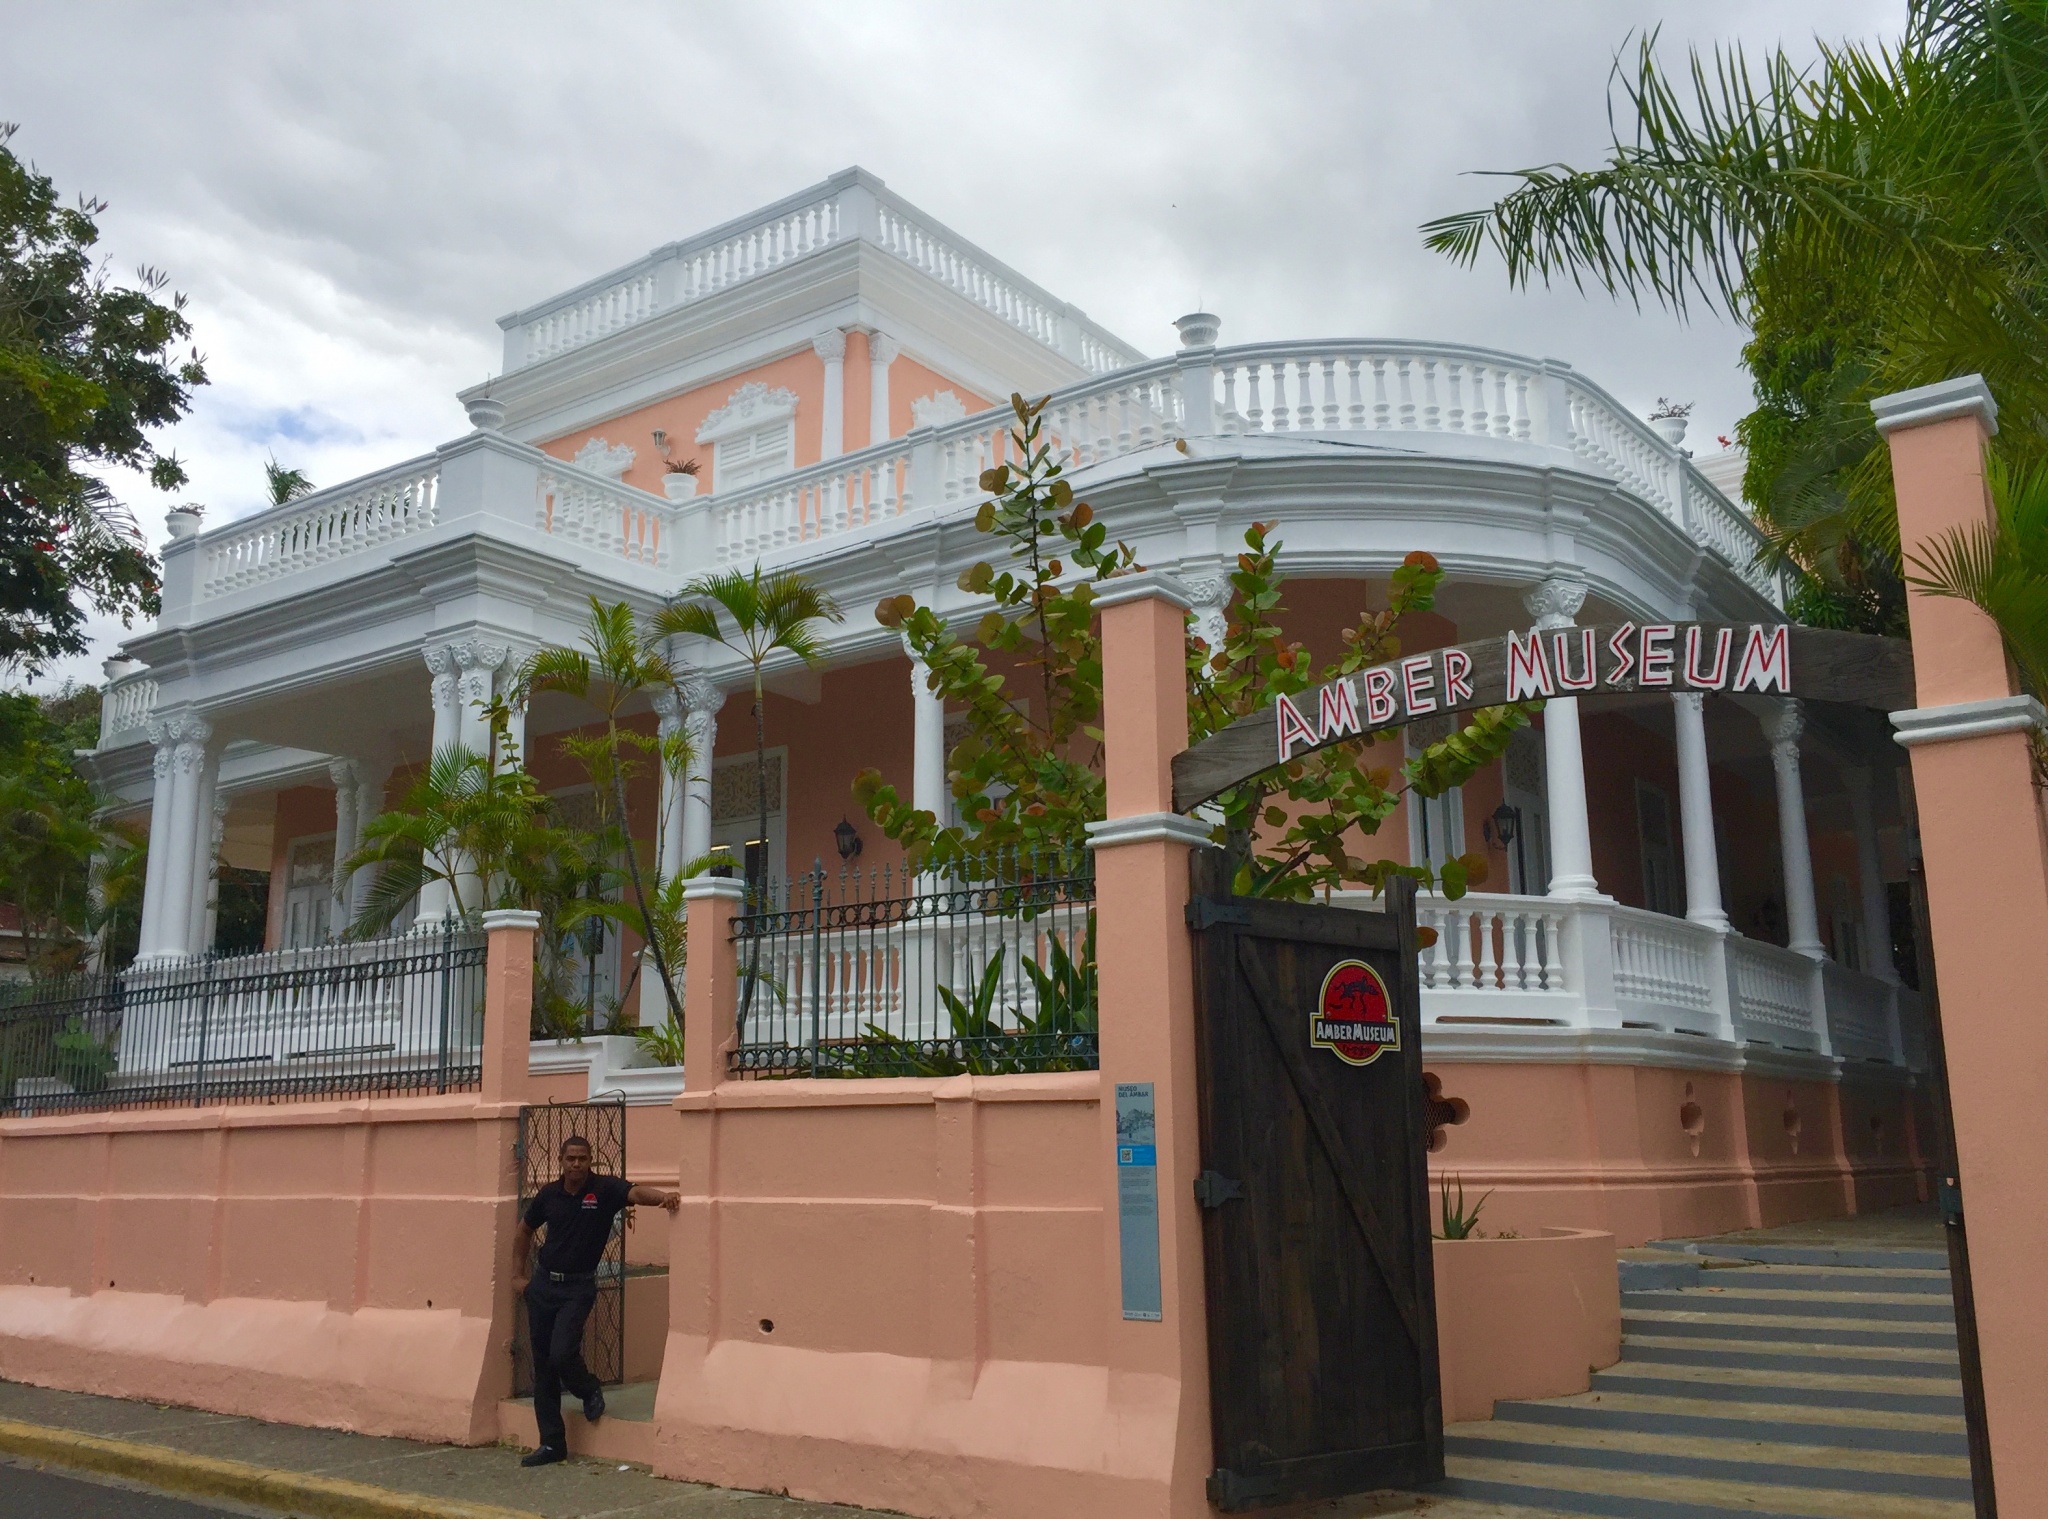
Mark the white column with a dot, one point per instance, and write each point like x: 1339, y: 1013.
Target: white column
x: 882, y: 352
x: 701, y: 700
x: 831, y: 347
x: 477, y: 662
x: 205, y: 776
x: 177, y: 850
x: 1877, y: 916
x: 435, y: 901
x: 668, y: 828
x: 210, y: 931
x: 155, y: 898
x: 1802, y: 920
x: 1554, y: 604
x: 1696, y: 813
x: 928, y: 770
x: 348, y: 837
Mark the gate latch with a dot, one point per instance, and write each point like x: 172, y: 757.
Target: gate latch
x: 1208, y: 912
x: 1213, y: 1189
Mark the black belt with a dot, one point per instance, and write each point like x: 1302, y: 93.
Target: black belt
x: 572, y: 1276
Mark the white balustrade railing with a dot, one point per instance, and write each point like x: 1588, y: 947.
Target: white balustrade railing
x: 1661, y: 963
x: 601, y: 514
x: 1774, y: 993
x: 1492, y: 944
x: 843, y: 208
x: 324, y: 526
x: 1861, y: 1015
x: 1373, y: 387
x: 125, y: 709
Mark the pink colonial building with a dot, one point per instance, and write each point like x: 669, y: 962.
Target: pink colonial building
x: 1674, y: 1006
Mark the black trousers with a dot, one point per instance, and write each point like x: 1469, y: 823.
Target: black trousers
x: 555, y: 1315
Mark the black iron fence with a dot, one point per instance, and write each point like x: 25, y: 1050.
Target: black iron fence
x: 986, y: 968
x: 390, y: 1016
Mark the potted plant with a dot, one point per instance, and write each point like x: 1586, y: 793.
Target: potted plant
x: 679, y: 479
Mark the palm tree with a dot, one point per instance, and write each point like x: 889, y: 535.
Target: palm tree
x: 284, y: 485
x: 2002, y: 568
x: 1879, y: 220
x: 763, y: 615
x: 615, y: 666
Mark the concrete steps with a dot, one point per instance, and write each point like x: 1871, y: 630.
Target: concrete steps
x: 1769, y: 1381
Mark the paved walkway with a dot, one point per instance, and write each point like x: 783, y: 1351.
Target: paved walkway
x: 458, y: 1482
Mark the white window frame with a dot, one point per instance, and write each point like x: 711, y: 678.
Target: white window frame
x: 752, y: 437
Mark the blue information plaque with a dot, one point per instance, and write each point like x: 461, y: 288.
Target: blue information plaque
x: 1137, y: 1191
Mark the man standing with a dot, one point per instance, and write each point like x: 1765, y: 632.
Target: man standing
x: 577, y: 1211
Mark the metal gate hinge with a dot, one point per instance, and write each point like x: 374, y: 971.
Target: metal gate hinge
x: 1213, y: 1189
x: 1208, y: 912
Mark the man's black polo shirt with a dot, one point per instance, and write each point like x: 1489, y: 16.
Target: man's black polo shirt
x: 577, y: 1225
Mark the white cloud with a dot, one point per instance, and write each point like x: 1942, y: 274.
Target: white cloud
x: 352, y: 193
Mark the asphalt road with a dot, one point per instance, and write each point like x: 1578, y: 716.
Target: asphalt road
x: 29, y: 1493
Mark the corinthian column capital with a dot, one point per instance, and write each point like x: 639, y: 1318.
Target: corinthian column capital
x: 1554, y: 602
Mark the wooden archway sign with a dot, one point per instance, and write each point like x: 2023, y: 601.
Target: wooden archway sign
x: 1639, y: 659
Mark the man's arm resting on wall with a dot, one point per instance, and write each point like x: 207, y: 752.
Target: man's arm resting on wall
x: 654, y: 1197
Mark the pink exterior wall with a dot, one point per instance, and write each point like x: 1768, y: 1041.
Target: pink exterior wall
x: 1652, y: 1152
x: 322, y: 1263
x: 894, y: 1293
x: 802, y: 373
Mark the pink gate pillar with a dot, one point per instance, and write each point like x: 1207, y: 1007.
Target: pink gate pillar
x: 508, y: 1001
x: 1986, y: 856
x: 1159, y: 1371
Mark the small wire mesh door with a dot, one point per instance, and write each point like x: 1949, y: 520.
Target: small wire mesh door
x: 541, y: 1132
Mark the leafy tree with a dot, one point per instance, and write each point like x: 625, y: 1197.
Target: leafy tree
x: 615, y: 666
x: 1879, y: 220
x: 1028, y: 775
x: 87, y: 370
x: 756, y: 616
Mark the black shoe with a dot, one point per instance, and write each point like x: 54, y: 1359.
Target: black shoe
x: 593, y: 1406
x: 547, y: 1455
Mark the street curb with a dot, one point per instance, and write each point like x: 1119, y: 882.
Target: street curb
x: 211, y: 1477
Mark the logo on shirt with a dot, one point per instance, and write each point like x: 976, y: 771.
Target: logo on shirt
x: 590, y: 1201
x: 1354, y: 1019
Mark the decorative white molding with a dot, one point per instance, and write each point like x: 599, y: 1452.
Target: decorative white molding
x: 714, y: 888
x: 1146, y: 583
x: 1966, y: 396
x: 602, y: 458
x: 1968, y: 719
x: 1782, y: 726
x: 1149, y: 828
x: 830, y: 345
x: 752, y: 405
x: 1556, y: 601
x: 937, y: 409
x: 511, y: 917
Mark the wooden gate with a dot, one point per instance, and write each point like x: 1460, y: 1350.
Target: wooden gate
x: 1315, y: 1197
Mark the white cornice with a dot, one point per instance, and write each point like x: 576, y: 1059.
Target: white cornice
x: 1149, y: 828
x: 1967, y: 396
x: 1968, y: 719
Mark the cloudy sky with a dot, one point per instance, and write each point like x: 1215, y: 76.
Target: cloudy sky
x: 351, y: 194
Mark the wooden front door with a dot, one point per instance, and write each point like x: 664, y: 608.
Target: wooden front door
x: 1315, y: 1198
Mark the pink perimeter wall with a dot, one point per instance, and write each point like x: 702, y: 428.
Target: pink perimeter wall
x: 321, y: 1263
x: 894, y: 1293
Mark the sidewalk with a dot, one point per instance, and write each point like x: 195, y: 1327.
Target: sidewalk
x: 328, y: 1472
